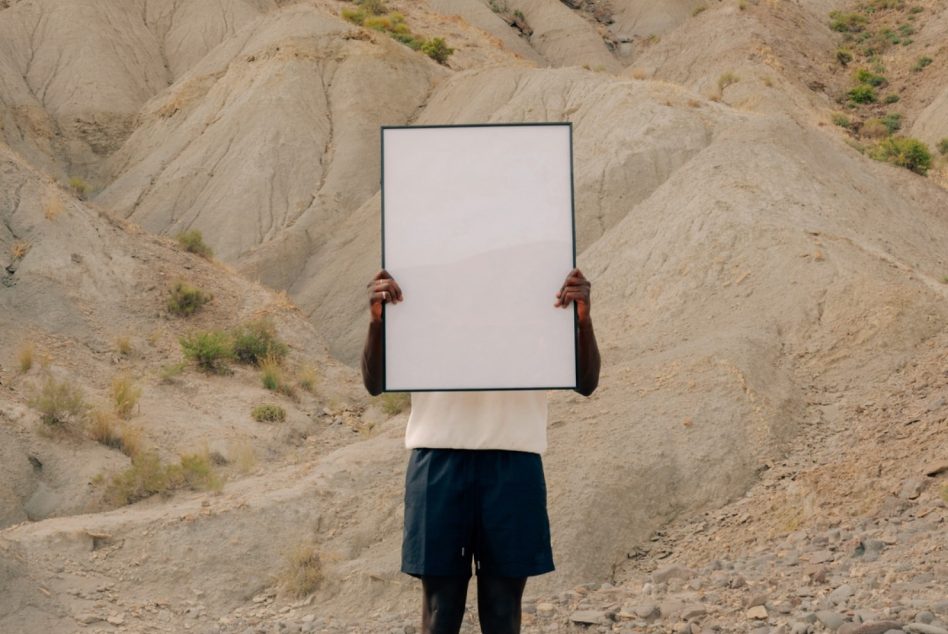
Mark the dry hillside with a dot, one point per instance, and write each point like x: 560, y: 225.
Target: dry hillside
x: 768, y: 246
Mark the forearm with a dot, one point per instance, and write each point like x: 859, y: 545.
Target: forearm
x: 589, y: 362
x: 373, y: 359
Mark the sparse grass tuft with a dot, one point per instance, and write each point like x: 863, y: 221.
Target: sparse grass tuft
x: 19, y: 249
x: 25, y: 356
x: 307, y: 377
x: 209, y: 349
x: 60, y: 403
x: 943, y: 147
x: 841, y: 120
x: 105, y: 428
x: 169, y: 372
x: 193, y: 242
x: 844, y: 56
x: 268, y: 413
x: 125, y: 394
x: 866, y: 76
x: 256, y: 339
x: 905, y: 152
x: 847, y: 22
x: 874, y: 129
x: 698, y: 10
x: 395, y: 402
x: 123, y: 344
x: 921, y: 63
x: 893, y: 98
x: 273, y: 377
x: 147, y: 476
x: 79, y: 187
x: 727, y: 79
x: 302, y: 572
x: 185, y: 300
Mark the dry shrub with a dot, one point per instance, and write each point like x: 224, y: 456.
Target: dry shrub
x: 307, y: 377
x: 25, y: 356
x: 60, y: 403
x: 302, y: 572
x: 639, y: 73
x: 395, y: 402
x: 147, y: 476
x: 53, y: 205
x: 243, y: 455
x: 123, y: 345
x: 19, y: 249
x: 125, y: 394
x: 104, y: 427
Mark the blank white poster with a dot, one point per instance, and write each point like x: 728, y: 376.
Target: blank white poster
x: 477, y: 229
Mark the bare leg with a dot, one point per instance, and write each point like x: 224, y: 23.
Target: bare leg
x: 498, y: 603
x: 443, y: 604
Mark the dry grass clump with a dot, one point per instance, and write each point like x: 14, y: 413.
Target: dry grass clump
x: 60, y: 403
x: 255, y: 340
x: 125, y: 394
x: 303, y: 571
x: 123, y: 344
x: 104, y: 427
x: 24, y: 356
x: 79, y: 187
x: 307, y: 377
x: 19, y: 249
x: 147, y: 476
x: 274, y: 378
x: 268, y: 413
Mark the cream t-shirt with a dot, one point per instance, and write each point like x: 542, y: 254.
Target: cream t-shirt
x: 514, y: 420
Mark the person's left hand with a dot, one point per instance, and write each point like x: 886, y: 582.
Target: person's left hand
x: 577, y: 289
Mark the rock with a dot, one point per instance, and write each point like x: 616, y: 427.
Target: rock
x: 87, y: 618
x: 116, y: 619
x: 674, y: 571
x: 840, y: 594
x: 819, y: 556
x: 924, y: 617
x: 876, y: 627
x: 756, y: 612
x: 693, y: 611
x: 934, y: 468
x: 832, y: 620
x: 639, y: 611
x: 923, y: 628
x: 799, y: 628
x: 545, y: 610
x: 911, y: 489
x: 589, y: 617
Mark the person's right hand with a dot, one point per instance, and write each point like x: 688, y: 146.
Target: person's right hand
x: 382, y: 289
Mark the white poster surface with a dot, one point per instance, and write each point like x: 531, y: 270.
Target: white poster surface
x: 477, y: 230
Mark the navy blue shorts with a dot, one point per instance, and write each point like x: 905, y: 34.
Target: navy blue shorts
x: 482, y: 505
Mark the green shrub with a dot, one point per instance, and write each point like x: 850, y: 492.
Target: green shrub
x: 356, y: 16
x: 906, y: 29
x: 193, y: 242
x: 268, y: 413
x: 373, y: 7
x: 892, y: 121
x: 256, y: 339
x: 864, y: 93
x: 843, y: 56
x: 209, y: 349
x: 921, y: 63
x: 185, y: 300
x: 60, y: 403
x: 847, y: 22
x: 437, y: 49
x: 891, y: 98
x: 905, y: 152
x: 943, y: 146
x: 864, y: 76
x: 841, y: 120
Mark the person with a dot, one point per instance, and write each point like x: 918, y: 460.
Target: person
x: 474, y: 487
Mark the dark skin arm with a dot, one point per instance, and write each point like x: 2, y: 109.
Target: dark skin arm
x: 577, y: 289
x: 383, y: 289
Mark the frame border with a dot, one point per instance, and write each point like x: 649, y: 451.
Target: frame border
x: 572, y: 193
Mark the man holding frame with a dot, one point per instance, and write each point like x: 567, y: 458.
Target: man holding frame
x: 478, y: 492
